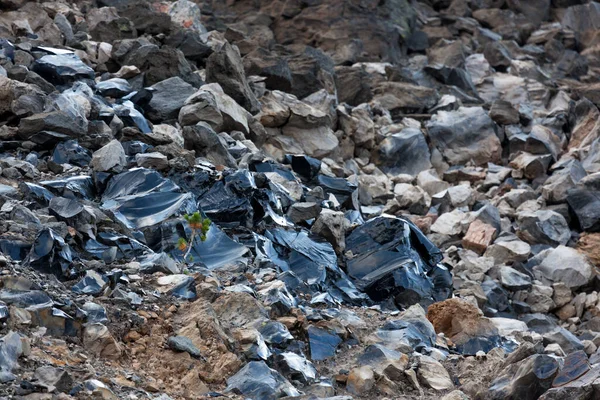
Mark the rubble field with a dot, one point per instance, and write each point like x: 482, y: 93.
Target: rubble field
x: 277, y: 199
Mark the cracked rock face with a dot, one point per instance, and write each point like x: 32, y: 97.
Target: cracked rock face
x: 318, y: 200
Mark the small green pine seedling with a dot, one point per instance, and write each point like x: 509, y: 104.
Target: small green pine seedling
x: 200, y: 227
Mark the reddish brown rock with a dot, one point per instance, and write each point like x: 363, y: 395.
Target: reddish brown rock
x: 479, y: 236
x: 459, y: 320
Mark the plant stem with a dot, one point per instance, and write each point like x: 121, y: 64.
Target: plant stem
x: 191, y: 243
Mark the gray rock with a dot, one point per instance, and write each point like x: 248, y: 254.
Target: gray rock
x: 539, y: 298
x: 412, y: 198
x: 532, y: 166
x: 168, y: 97
x: 503, y: 113
x: 467, y: 134
x: 511, y: 251
x: 497, y: 55
x: 98, y: 340
x: 526, y: 379
x: 562, y: 294
x: 10, y: 351
x: 234, y: 116
x: 157, y: 63
x: 184, y: 344
x: 152, y: 160
x: 401, y: 97
x: 567, y: 341
x: 512, y: 279
x: 206, y: 143
x: 115, y: 87
x: 187, y: 14
x: 516, y: 197
x: 299, y: 212
x: 53, y: 379
x: 374, y: 189
x: 383, y: 360
x: 110, y: 158
x: 490, y: 215
x: 201, y: 106
x: 430, y: 182
x: 449, y: 223
x: 358, y: 125
x: 225, y: 67
x: 585, y: 205
x: 582, y: 17
x: 405, y: 152
x: 566, y: 265
x: 257, y: 380
x: 458, y: 196
x: 318, y: 142
x: 543, y: 227
x: 433, y: 374
x: 557, y: 185
x: 332, y: 226
x: 360, y: 380
x: 297, y: 367
x: 582, y: 388
x: 24, y: 215
x: 55, y: 121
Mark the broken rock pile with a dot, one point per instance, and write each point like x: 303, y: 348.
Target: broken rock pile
x: 402, y: 199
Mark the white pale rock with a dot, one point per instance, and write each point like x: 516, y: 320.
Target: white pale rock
x: 169, y: 131
x: 449, y: 223
x: 508, y: 326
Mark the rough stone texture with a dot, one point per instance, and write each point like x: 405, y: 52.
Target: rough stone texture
x: 467, y: 134
x: 545, y: 227
x: 405, y: 152
x: 360, y: 380
x: 98, y: 340
x: 168, y: 98
x: 206, y: 143
x: 479, y: 236
x: 225, y: 67
x: 432, y: 374
x: 109, y: 158
x: 358, y: 161
x: 566, y: 265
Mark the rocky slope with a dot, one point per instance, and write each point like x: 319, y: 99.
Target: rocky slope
x: 404, y: 199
